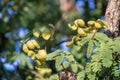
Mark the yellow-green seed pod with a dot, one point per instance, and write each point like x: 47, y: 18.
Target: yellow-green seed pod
x: 91, y: 23
x: 38, y: 63
x: 70, y: 44
x: 79, y: 23
x: 77, y: 38
x: 35, y: 43
x: 87, y: 29
x: 25, y: 48
x: 30, y: 44
x: 42, y: 54
x: 46, y: 35
x: 72, y: 27
x: 36, y: 32
x: 38, y: 67
x: 97, y: 25
x: 31, y: 54
x: 45, y: 71
x: 81, y: 32
x: 103, y: 23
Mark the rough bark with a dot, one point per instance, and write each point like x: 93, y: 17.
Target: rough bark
x: 112, y: 17
x: 66, y: 75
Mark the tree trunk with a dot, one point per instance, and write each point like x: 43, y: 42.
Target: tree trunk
x: 112, y: 17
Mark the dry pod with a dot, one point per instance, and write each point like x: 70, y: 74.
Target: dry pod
x: 91, y: 23
x: 35, y: 43
x: 81, y: 32
x: 79, y: 23
x: 72, y: 27
x: 30, y: 44
x: 97, y: 25
x: 46, y: 35
x: 36, y: 32
x: 42, y: 54
x: 31, y: 54
x: 25, y: 48
x: 103, y: 23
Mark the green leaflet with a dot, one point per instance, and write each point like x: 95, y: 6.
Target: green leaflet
x: 115, y: 70
x: 74, y: 67
x: 106, y: 62
x: 70, y: 58
x: 81, y: 75
x: 91, y: 76
x: 85, y: 39
x: 50, y: 56
x: 90, y: 48
x: 58, y: 61
x: 30, y: 66
x: 101, y: 37
x: 66, y: 65
x: 53, y: 77
x: 23, y: 60
x: 116, y: 45
x: 96, y: 66
x: 105, y: 54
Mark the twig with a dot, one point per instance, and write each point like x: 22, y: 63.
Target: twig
x: 61, y: 42
x: 36, y: 74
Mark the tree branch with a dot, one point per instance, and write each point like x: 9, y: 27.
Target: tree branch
x: 112, y: 17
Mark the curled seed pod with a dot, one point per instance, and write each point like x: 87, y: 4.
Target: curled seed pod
x: 97, y: 25
x: 103, y: 23
x: 72, y: 27
x: 81, y: 32
x: 35, y: 43
x: 31, y: 54
x: 91, y: 23
x: 25, y: 48
x: 36, y: 32
x: 42, y: 54
x: 46, y: 35
x: 70, y: 44
x: 79, y: 22
x: 30, y: 44
x: 87, y: 29
x: 77, y: 38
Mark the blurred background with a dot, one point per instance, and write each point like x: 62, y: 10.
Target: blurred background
x: 18, y: 17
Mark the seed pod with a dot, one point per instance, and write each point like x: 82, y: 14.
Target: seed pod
x: 97, y: 25
x: 38, y: 67
x: 31, y: 54
x: 36, y: 32
x: 70, y: 44
x: 25, y: 48
x: 81, y: 32
x: 42, y: 54
x: 79, y: 23
x: 34, y: 42
x: 45, y: 71
x: 38, y: 63
x: 103, y: 23
x: 30, y: 44
x: 46, y: 35
x: 72, y: 27
x: 91, y: 23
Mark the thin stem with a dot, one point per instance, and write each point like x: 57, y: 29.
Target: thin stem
x: 36, y: 74
x: 61, y: 42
